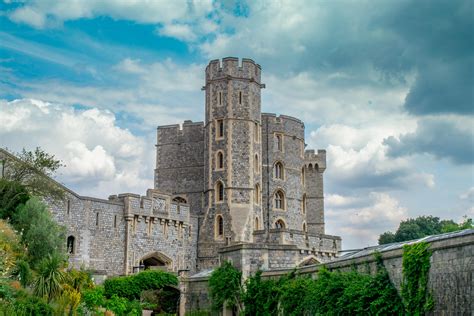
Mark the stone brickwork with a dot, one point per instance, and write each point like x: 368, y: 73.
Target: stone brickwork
x: 450, y: 277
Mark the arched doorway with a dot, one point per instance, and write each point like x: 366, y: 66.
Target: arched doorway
x: 156, y: 261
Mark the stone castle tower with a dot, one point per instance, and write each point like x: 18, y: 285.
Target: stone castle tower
x: 245, y: 174
x: 239, y: 186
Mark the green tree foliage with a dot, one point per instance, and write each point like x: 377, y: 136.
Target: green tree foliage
x: 225, y: 287
x: 416, y: 266
x: 12, y: 194
x: 265, y: 292
x: 34, y: 170
x: 331, y: 293
x: 130, y: 287
x: 40, y: 233
x: 51, y: 277
x: 415, y: 228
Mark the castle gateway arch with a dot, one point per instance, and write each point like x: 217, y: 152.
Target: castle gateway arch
x: 156, y: 261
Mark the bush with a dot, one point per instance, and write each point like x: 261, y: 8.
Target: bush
x: 130, y: 287
x: 332, y: 293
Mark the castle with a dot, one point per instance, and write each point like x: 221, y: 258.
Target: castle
x: 239, y: 186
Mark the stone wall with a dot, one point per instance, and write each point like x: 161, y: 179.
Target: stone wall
x: 450, y: 276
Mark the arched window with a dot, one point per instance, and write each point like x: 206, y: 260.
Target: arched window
x: 179, y: 199
x: 303, y: 204
x: 219, y: 192
x: 257, y: 194
x: 220, y: 160
x: 256, y: 164
x: 280, y: 224
x: 219, y: 226
x: 310, y: 167
x: 278, y: 169
x: 279, y: 200
x: 256, y: 223
x: 70, y: 244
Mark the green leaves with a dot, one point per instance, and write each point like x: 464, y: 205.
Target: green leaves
x: 416, y: 266
x: 34, y: 170
x: 225, y: 287
x: 50, y: 278
x: 40, y: 233
x: 415, y: 228
x: 330, y: 293
x: 130, y: 287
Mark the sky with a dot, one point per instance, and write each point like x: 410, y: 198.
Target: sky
x: 386, y: 87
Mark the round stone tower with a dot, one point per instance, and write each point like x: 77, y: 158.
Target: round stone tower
x: 232, y: 158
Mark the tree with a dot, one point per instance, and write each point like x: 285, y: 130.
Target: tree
x: 415, y: 228
x: 386, y: 238
x: 40, y: 233
x: 12, y: 194
x: 35, y: 170
x: 225, y: 287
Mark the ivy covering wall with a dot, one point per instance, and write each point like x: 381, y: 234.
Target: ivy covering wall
x: 328, y: 292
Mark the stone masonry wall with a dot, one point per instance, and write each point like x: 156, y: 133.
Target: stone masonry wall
x: 450, y: 276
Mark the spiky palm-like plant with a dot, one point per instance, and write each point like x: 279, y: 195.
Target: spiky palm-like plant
x: 50, y: 277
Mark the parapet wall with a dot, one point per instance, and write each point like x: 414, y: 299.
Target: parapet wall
x: 189, y: 131
x: 229, y: 67
x: 315, y: 160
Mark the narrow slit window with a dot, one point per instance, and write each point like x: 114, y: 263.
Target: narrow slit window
x: 219, y: 226
x: 240, y: 97
x: 97, y: 219
x: 220, y: 160
x: 256, y: 165
x: 219, y: 192
x: 68, y: 207
x: 115, y: 221
x: 220, y: 128
x: 279, y: 141
x: 220, y: 98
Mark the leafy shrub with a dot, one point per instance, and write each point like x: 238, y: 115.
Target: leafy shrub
x: 416, y: 266
x: 93, y: 297
x: 130, y: 287
x: 332, y: 293
x: 225, y: 287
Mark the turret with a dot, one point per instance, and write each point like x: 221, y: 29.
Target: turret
x: 315, y: 165
x: 232, y: 153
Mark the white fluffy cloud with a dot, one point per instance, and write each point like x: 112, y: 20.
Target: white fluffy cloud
x: 101, y: 158
x: 360, y: 220
x: 40, y: 13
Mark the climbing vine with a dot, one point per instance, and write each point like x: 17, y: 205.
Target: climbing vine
x: 416, y: 265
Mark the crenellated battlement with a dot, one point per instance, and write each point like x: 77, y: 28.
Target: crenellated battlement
x: 154, y: 204
x: 288, y: 125
x: 189, y: 131
x: 313, y: 159
x: 230, y: 67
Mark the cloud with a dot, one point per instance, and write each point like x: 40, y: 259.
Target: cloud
x: 360, y: 220
x: 100, y: 157
x: 444, y: 138
x: 179, y: 31
x: 357, y: 157
x: 468, y: 195
x: 152, y: 94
